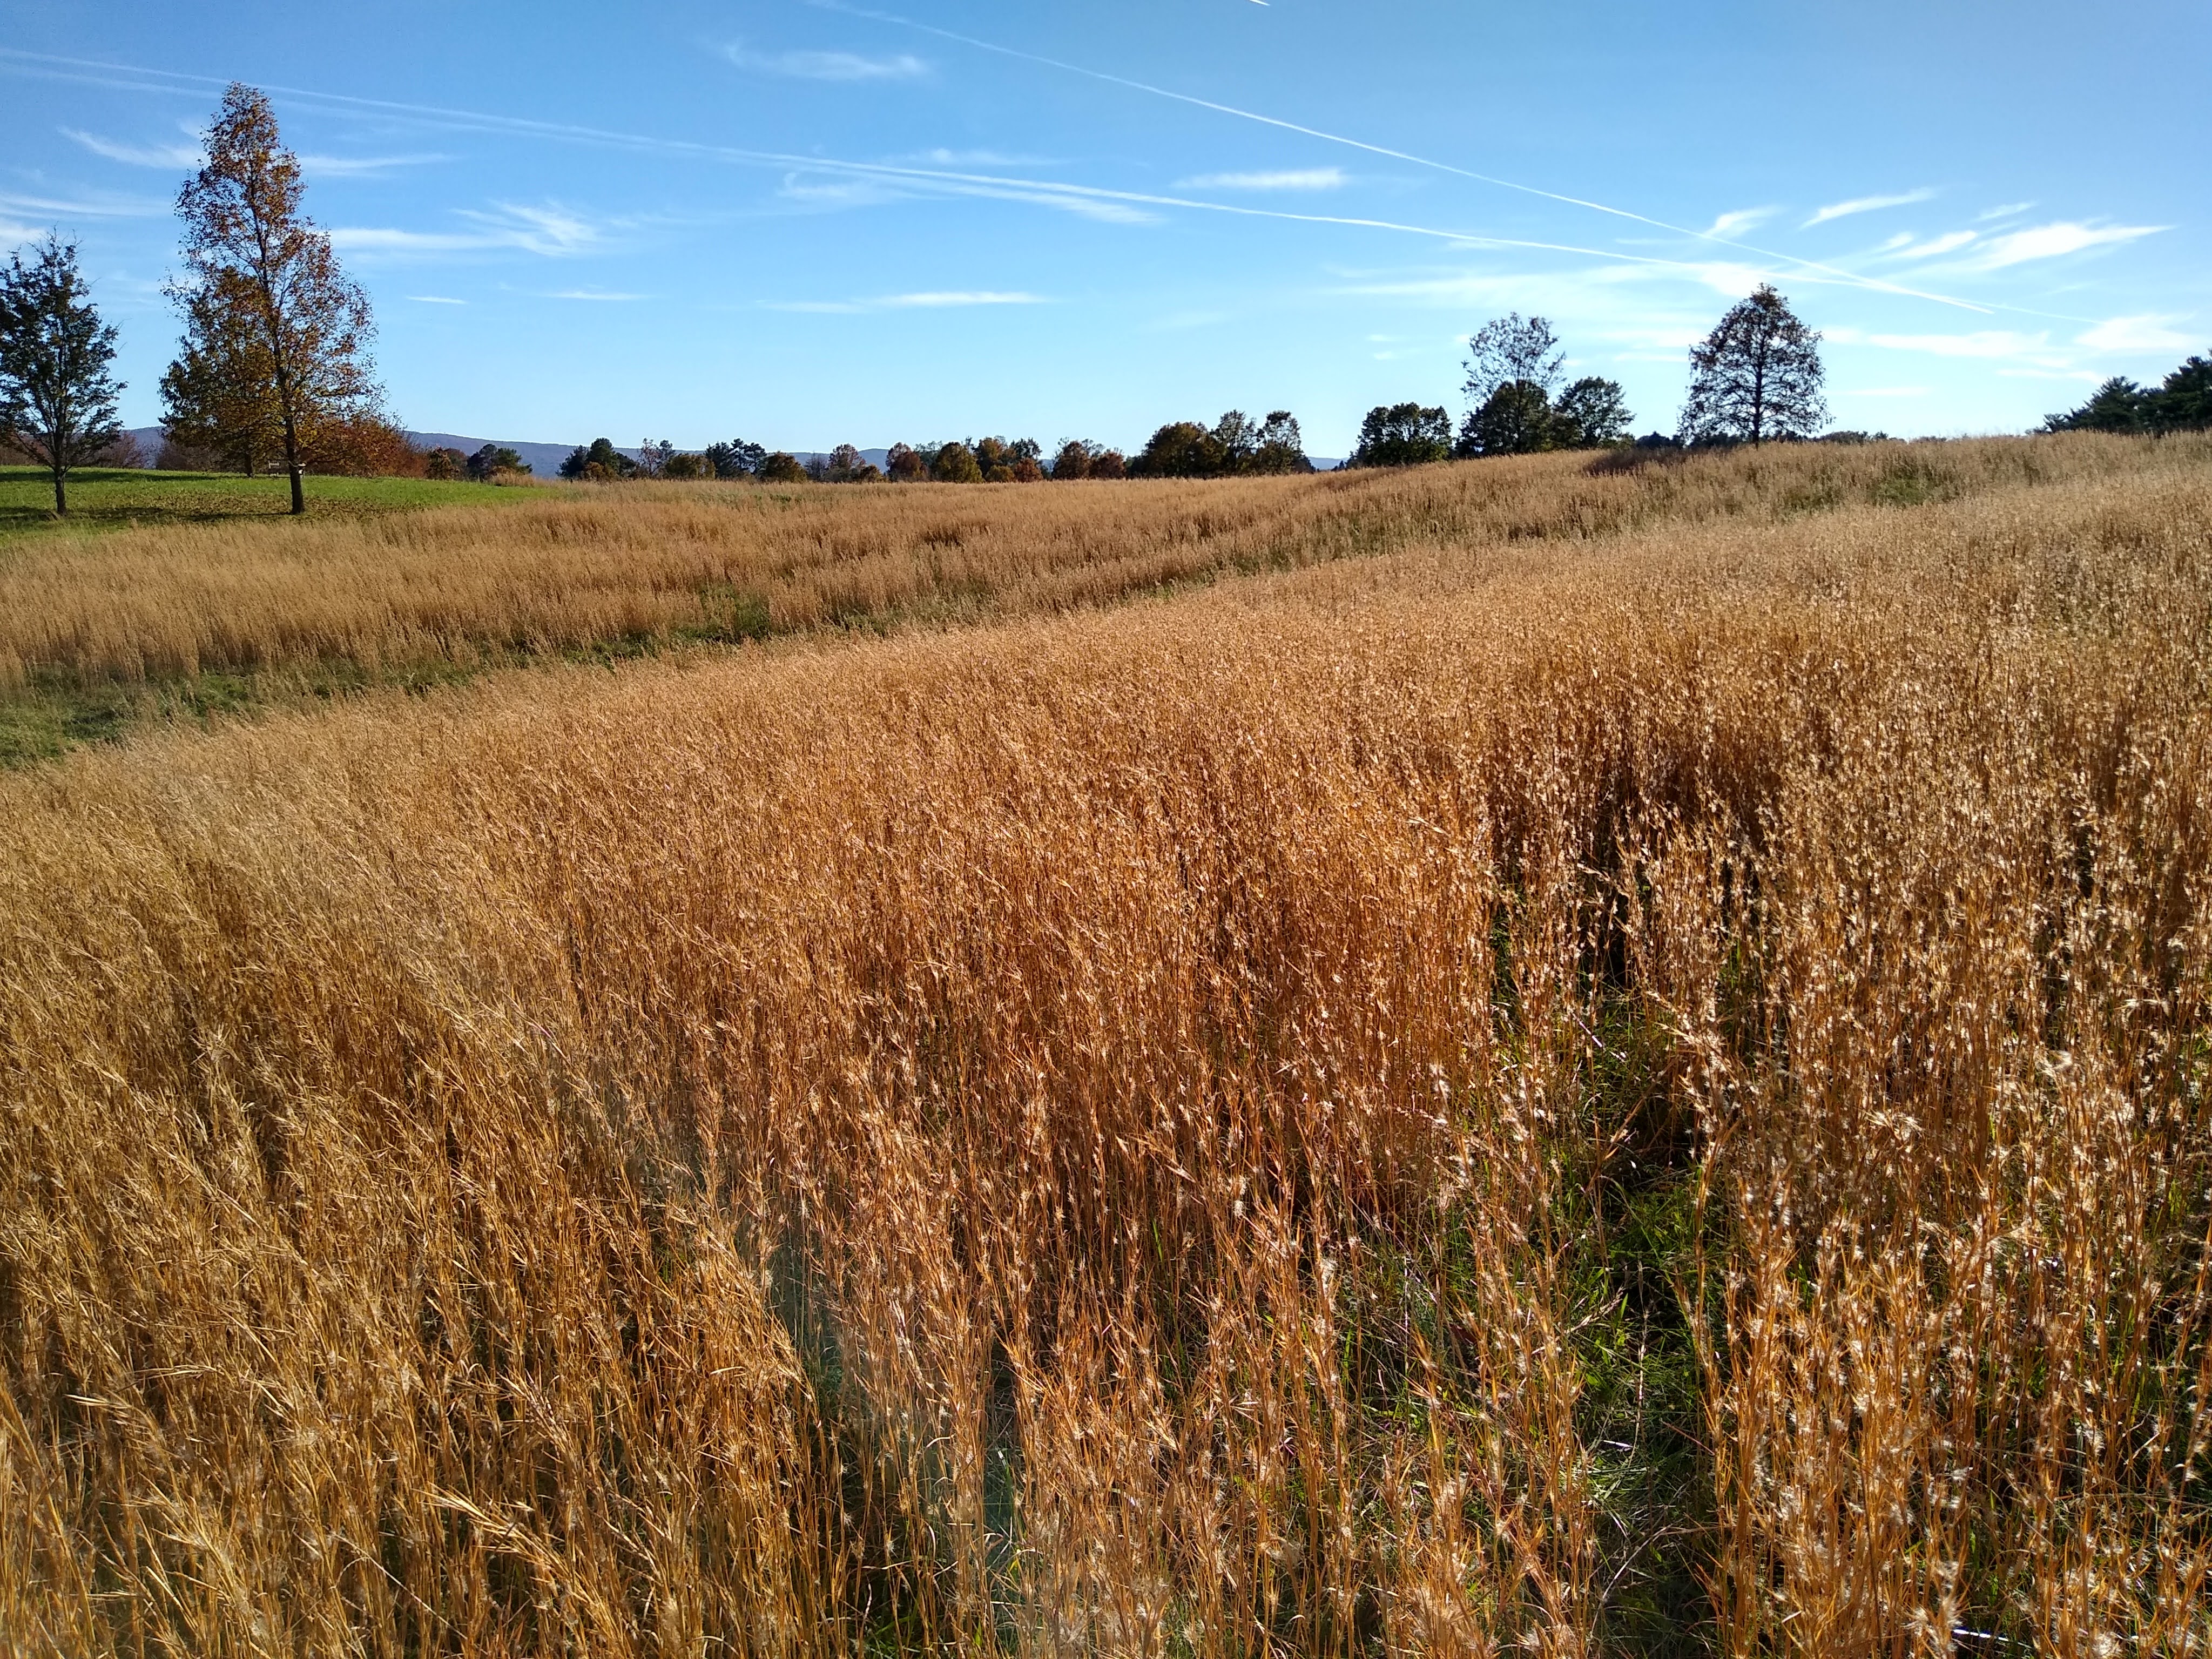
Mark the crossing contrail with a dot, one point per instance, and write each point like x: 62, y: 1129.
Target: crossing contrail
x: 1834, y: 272
x: 1047, y: 192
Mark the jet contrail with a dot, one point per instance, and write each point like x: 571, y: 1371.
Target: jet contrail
x: 1836, y: 272
x: 1029, y: 189
x: 1046, y: 192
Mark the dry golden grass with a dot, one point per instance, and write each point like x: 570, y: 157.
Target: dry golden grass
x: 1651, y: 1100
x: 576, y: 567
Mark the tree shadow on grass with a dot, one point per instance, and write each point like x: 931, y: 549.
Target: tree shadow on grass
x: 113, y: 498
x: 120, y: 498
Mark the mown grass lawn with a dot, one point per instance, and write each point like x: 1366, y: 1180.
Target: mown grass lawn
x: 120, y: 498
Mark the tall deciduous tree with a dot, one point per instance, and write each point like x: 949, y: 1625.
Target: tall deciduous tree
x: 1180, y: 449
x: 1591, y: 414
x: 56, y: 398
x: 219, y: 397
x: 273, y: 330
x: 1282, y: 446
x: 1511, y: 349
x: 1237, y: 438
x: 955, y: 463
x: 1514, y: 419
x: 1403, y: 435
x: 1513, y: 367
x: 1757, y: 376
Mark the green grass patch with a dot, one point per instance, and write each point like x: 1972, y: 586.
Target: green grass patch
x: 48, y: 718
x: 44, y: 722
x: 122, y: 498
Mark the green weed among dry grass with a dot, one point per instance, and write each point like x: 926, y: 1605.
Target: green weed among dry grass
x: 1641, y: 1091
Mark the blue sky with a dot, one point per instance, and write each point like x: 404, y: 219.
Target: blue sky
x: 808, y: 223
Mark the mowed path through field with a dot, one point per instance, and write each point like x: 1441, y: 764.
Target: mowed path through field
x: 384, y: 589
x: 1602, y: 1087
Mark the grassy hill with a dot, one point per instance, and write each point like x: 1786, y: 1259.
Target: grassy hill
x: 179, y: 596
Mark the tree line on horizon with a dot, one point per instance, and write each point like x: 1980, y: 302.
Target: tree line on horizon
x: 2182, y: 402
x: 274, y: 372
x: 1236, y: 445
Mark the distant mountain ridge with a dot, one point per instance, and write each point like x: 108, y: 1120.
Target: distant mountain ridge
x: 542, y: 460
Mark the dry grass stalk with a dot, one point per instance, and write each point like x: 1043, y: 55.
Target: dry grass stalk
x: 1128, y: 1134
x: 475, y: 585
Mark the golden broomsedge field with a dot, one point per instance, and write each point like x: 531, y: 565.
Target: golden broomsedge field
x: 1573, y: 1063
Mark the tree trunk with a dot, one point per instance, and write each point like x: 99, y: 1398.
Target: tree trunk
x: 292, y: 453
x: 1758, y: 397
x: 61, y: 492
x: 273, y: 315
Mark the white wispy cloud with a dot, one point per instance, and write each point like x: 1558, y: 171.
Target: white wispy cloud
x: 354, y: 167
x: 137, y: 156
x: 2145, y: 333
x: 2009, y: 210
x: 1614, y: 290
x: 1105, y: 211
x: 1179, y: 322
x: 1736, y: 223
x: 1934, y: 247
x: 840, y: 192
x: 2020, y: 355
x: 872, y: 187
x: 550, y: 231
x: 934, y: 300
x: 1995, y: 343
x: 828, y: 65
x: 942, y: 157
x: 1886, y: 392
x: 849, y: 64
x: 2053, y: 241
x: 191, y: 154
x: 1866, y: 205
x: 435, y: 299
x: 387, y: 238
x: 84, y: 207
x: 1298, y: 178
x: 596, y: 294
x: 962, y: 297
